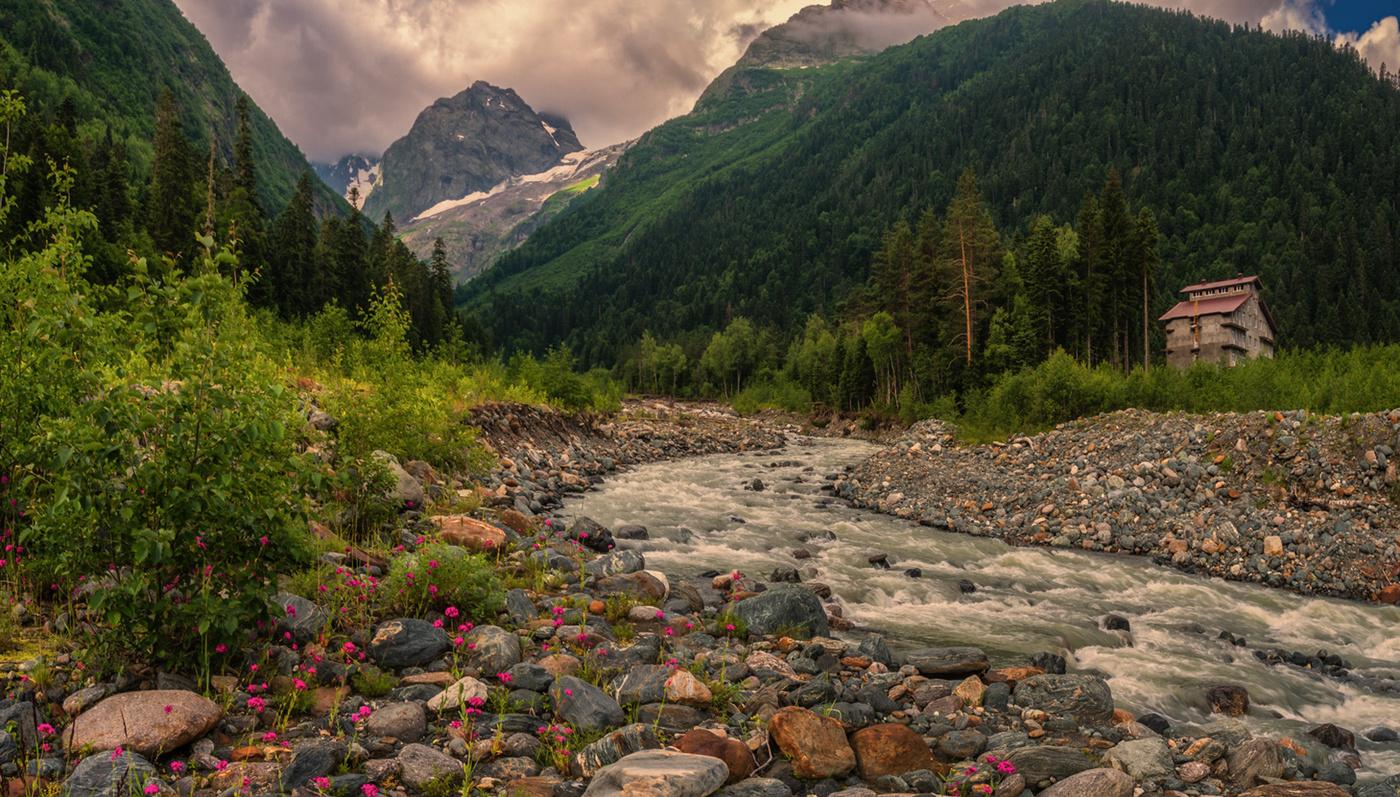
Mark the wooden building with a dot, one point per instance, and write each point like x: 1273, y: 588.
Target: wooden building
x: 1220, y: 322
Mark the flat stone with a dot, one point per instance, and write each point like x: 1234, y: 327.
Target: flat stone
x: 758, y: 787
x: 1039, y: 764
x: 458, y: 696
x: 80, y: 700
x: 313, y: 760
x: 139, y: 722
x: 421, y: 765
x: 1093, y: 783
x: 1143, y: 759
x: 947, y: 662
x: 659, y: 773
x: 615, y: 746
x: 817, y: 745
x: 889, y: 749
x: 1298, y: 789
x: 468, y: 532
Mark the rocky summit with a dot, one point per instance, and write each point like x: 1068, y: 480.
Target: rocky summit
x: 1291, y: 500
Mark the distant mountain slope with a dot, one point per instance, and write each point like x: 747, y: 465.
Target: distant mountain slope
x: 465, y: 144
x: 114, y: 57
x: 1257, y: 153
x: 478, y: 228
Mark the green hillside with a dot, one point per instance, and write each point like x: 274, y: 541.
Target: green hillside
x: 113, y: 58
x: 1256, y: 153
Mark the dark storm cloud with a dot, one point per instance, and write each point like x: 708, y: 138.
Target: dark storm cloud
x: 342, y: 76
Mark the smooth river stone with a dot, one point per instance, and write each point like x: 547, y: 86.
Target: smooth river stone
x: 946, y: 662
x: 147, y: 723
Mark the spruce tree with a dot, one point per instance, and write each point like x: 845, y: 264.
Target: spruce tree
x: 172, y: 206
x: 968, y: 256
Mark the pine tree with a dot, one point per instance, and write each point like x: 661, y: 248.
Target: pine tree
x: 294, y: 256
x: 969, y: 253
x: 172, y: 206
x: 1117, y: 230
x: 1148, y: 263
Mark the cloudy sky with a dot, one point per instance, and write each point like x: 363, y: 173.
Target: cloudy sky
x: 343, y: 76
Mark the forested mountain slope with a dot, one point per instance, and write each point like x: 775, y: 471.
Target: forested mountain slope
x: 1257, y: 153
x: 113, y: 58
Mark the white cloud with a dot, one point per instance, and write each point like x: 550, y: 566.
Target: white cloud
x: 1379, y: 45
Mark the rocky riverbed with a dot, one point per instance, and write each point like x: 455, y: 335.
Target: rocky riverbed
x: 1291, y: 500
x: 601, y: 677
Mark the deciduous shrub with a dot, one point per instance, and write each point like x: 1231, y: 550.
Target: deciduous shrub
x: 439, y: 577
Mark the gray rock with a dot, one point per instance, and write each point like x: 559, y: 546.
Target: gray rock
x: 643, y: 684
x: 1093, y: 783
x: 508, y: 768
x: 1086, y: 698
x: 1254, y: 762
x: 1039, y: 764
x: 1390, y: 787
x: 421, y: 765
x: 786, y: 607
x: 958, y: 745
x: 407, y: 491
x: 304, y: 622
x: 22, y: 716
x: 496, y: 649
x: 948, y: 662
x: 584, y: 706
x: 519, y: 606
x: 613, y: 747
x: 8, y: 748
x: 1143, y: 759
x: 406, y: 722
x: 530, y: 676
x: 873, y: 647
x: 758, y: 787
x: 616, y: 563
x: 632, y: 533
x: 102, y: 775
x: 314, y: 760
x: 407, y: 642
x: 659, y: 773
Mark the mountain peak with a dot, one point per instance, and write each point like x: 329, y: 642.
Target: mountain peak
x: 467, y: 143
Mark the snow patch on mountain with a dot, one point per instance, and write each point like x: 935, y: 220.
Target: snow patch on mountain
x: 570, y: 165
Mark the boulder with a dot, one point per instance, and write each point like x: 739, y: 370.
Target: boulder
x: 684, y: 689
x: 1232, y: 701
x: 1041, y: 763
x: 406, y: 722
x: 313, y: 760
x: 146, y: 723
x: 659, y: 773
x: 735, y: 754
x: 616, y: 563
x: 468, y: 532
x: 492, y: 649
x: 1143, y: 759
x: 644, y: 683
x: 423, y: 766
x: 407, y: 642
x: 1093, y: 783
x: 105, y: 775
x: 817, y: 745
x: 1333, y: 736
x: 1085, y: 698
x: 301, y: 618
x: 583, y: 705
x: 1255, y: 762
x: 788, y: 608
x: 948, y: 662
x: 614, y: 746
x: 889, y: 749
x: 644, y: 584
x: 406, y: 491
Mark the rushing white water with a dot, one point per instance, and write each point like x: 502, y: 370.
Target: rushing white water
x: 1027, y: 599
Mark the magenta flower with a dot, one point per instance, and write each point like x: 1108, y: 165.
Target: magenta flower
x: 169, y: 709
x: 117, y: 753
x: 369, y: 789
x: 177, y: 766
x: 151, y: 788
x: 44, y: 727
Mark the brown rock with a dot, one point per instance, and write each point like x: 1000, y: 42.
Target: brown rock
x: 1298, y: 789
x: 469, y: 533
x: 431, y: 678
x: 971, y: 691
x: 258, y: 774
x: 327, y: 698
x: 1193, y: 771
x: 946, y: 706
x: 1273, y: 545
x: 1391, y: 594
x: 538, y: 786
x: 687, y: 690
x: 1232, y: 701
x: 1011, y: 675
x: 140, y: 722
x: 1120, y: 716
x: 890, y: 749
x: 246, y: 754
x: 816, y: 744
x: 516, y: 521
x: 560, y: 664
x: 734, y: 753
x: 1255, y: 761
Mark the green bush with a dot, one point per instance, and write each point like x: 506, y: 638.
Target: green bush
x: 150, y: 447
x: 783, y: 394
x: 439, y: 577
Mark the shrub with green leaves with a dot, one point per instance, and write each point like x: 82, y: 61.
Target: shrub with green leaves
x: 146, y: 438
x: 439, y: 577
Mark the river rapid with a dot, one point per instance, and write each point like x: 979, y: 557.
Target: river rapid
x: 1026, y: 600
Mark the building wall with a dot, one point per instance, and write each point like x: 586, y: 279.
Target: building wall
x: 1221, y: 337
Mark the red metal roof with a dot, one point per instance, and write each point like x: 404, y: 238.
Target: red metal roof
x: 1215, y: 304
x: 1222, y: 284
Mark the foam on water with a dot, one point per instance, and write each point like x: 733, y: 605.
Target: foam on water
x: 1027, y: 599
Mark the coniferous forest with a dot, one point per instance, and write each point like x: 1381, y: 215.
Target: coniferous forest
x: 1093, y: 157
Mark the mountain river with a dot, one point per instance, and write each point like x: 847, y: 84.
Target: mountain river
x: 1026, y: 600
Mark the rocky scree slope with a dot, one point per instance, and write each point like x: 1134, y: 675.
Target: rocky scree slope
x: 1289, y: 499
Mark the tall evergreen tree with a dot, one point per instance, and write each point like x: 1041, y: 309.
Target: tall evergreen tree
x: 294, y: 253
x: 1148, y: 263
x: 969, y: 253
x: 172, y: 205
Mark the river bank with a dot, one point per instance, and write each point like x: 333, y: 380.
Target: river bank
x: 1290, y: 500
